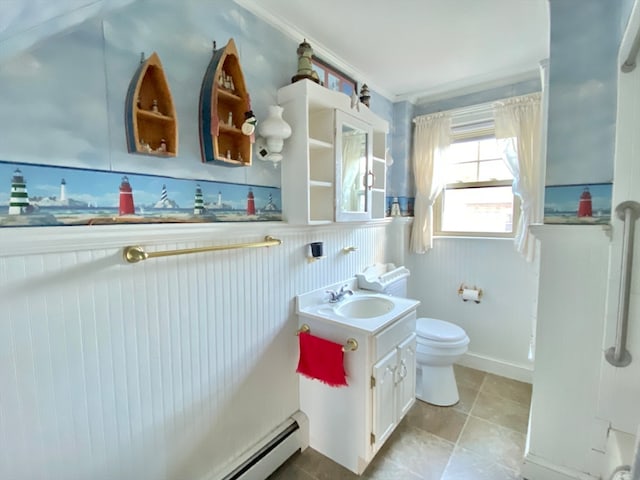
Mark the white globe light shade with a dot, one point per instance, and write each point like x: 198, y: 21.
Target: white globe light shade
x: 274, y: 129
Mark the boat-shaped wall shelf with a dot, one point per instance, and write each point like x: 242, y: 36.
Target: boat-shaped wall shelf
x: 150, y: 116
x: 224, y: 100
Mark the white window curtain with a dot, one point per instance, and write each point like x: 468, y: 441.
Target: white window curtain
x: 518, y: 121
x: 432, y: 137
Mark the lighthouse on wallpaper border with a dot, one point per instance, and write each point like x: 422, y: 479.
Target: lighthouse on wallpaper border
x: 251, y: 203
x: 19, y: 202
x: 585, y: 208
x: 126, y: 198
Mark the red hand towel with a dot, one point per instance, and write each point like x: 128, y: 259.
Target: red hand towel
x: 321, y: 359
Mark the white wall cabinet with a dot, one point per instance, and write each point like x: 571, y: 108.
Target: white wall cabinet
x: 309, y: 168
x: 350, y: 424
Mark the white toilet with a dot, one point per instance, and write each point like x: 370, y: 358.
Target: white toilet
x: 440, y: 344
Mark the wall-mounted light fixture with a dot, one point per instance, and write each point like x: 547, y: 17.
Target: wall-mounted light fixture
x: 273, y: 130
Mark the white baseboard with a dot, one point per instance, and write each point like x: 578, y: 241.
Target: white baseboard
x: 497, y: 367
x: 536, y: 468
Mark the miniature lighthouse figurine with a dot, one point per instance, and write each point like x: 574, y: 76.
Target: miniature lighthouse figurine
x: 305, y: 68
x: 365, y: 96
x: 19, y: 202
x: 126, y: 198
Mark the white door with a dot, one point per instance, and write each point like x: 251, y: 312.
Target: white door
x: 619, y: 392
x: 384, y: 407
x: 406, y: 376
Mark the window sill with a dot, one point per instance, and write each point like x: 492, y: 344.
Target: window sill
x: 471, y: 237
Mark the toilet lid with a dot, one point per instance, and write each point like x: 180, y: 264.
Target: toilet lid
x: 435, y: 329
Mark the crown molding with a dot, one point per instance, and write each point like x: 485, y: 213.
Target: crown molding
x: 319, y: 49
x: 469, y: 86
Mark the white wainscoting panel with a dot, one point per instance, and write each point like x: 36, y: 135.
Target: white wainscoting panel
x: 167, y: 369
x: 500, y: 326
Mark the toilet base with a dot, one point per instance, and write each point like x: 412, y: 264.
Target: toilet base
x: 440, y: 388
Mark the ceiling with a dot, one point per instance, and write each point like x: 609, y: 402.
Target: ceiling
x: 412, y: 49
x: 407, y: 49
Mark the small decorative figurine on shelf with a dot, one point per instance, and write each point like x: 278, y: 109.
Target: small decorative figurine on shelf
x: 154, y: 107
x: 249, y: 124
x: 163, y: 146
x: 145, y: 147
x: 365, y: 97
x: 230, y: 119
x: 305, y: 69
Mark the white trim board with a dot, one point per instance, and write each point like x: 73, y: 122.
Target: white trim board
x: 513, y: 371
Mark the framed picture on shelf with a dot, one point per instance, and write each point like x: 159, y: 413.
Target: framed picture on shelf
x: 332, y: 78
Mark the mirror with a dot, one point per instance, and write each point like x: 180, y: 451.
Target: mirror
x: 353, y: 182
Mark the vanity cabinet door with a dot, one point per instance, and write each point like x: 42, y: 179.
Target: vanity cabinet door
x: 384, y: 398
x: 406, y: 375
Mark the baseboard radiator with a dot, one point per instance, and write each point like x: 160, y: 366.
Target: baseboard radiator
x: 269, y: 454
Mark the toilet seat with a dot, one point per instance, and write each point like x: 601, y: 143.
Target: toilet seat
x: 439, y: 331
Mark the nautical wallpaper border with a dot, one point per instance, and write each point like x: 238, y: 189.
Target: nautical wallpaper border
x: 40, y: 195
x: 579, y: 204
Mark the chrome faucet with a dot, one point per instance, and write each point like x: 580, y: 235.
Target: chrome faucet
x: 335, y: 297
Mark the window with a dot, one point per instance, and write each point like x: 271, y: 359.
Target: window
x: 477, y: 199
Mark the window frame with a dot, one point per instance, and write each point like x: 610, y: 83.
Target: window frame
x: 468, y: 135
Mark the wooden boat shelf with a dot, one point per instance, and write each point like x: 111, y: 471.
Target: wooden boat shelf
x: 150, y: 118
x: 224, y: 100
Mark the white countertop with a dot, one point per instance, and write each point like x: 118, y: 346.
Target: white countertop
x: 315, y: 304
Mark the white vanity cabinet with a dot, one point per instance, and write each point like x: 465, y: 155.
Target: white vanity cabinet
x: 311, y: 166
x: 394, y: 389
x: 350, y: 424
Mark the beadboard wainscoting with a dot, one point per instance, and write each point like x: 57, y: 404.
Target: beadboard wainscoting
x: 170, y: 368
x: 500, y: 327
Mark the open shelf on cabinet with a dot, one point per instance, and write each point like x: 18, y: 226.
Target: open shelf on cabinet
x: 224, y: 100
x: 150, y: 118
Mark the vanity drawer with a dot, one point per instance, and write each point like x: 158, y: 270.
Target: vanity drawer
x: 391, y: 336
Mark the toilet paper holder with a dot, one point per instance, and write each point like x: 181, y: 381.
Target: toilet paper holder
x: 470, y: 293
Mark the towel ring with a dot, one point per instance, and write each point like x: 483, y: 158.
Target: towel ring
x: 350, y: 346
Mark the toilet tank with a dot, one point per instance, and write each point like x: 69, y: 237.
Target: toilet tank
x: 384, y: 278
x: 397, y: 288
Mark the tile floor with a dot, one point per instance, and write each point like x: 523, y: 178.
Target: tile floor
x: 482, y: 437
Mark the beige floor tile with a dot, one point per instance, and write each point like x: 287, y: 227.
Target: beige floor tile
x: 495, y: 443
x: 444, y: 422
x: 290, y: 472
x: 383, y: 468
x: 469, y: 382
x: 502, y: 411
x: 507, y: 388
x: 466, y: 465
x: 420, y: 452
x: 319, y: 467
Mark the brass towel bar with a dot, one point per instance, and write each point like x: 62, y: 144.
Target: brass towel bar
x: 136, y: 253
x: 351, y: 346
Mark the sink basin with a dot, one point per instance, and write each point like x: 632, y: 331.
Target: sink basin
x: 364, y: 307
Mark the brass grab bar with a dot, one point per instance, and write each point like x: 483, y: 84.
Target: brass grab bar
x: 351, y: 346
x: 136, y: 253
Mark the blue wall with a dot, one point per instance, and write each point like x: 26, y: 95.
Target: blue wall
x: 63, y: 100
x: 582, y: 91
